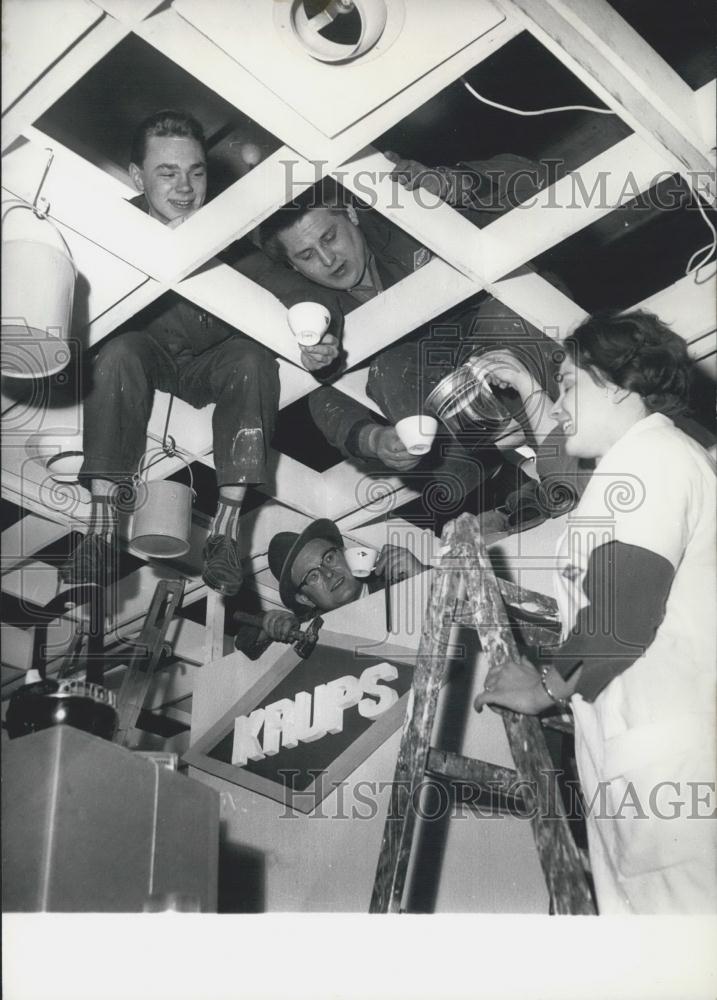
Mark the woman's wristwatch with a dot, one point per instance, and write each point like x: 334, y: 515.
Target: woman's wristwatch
x: 562, y: 703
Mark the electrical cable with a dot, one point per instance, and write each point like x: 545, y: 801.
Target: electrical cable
x: 709, y: 248
x: 541, y: 111
x: 692, y: 266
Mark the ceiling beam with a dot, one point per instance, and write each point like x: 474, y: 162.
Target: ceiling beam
x: 53, y: 30
x: 177, y: 39
x: 17, y: 647
x: 25, y: 537
x: 58, y: 76
x: 619, y: 66
x: 687, y: 305
x: 129, y: 12
x: 612, y: 179
x: 79, y: 200
x: 460, y: 244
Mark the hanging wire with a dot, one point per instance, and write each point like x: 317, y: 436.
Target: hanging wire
x: 541, y: 111
x: 694, y: 267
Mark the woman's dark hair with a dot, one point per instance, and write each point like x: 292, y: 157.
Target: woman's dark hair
x: 635, y: 351
x: 163, y: 123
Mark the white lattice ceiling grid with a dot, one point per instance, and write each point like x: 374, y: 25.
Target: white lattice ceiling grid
x: 327, y: 115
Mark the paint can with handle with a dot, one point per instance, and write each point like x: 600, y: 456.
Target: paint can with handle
x: 38, y: 288
x: 161, y: 523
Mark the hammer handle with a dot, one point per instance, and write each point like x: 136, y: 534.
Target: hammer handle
x: 244, y: 618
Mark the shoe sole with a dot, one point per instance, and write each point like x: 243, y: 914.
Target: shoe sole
x: 226, y: 589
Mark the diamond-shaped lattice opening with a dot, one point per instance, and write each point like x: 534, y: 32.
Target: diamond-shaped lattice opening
x: 207, y: 494
x: 18, y: 611
x: 10, y: 513
x: 56, y: 553
x: 454, y: 126
x: 659, y: 230
x: 98, y: 115
x: 433, y: 508
x: 684, y: 34
x: 195, y: 612
x: 397, y: 254
x: 297, y: 436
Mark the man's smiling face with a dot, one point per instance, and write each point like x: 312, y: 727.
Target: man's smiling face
x: 326, y: 247
x: 173, y: 176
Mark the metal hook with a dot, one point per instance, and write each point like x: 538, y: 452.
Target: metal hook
x: 169, y: 445
x: 41, y: 212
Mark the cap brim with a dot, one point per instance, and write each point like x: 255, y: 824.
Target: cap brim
x: 323, y: 528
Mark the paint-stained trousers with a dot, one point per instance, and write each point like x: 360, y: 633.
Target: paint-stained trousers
x: 237, y: 374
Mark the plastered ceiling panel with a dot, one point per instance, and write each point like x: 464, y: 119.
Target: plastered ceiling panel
x: 418, y: 36
x: 35, y: 34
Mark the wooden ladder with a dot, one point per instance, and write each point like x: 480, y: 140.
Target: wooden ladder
x: 464, y: 558
x: 148, y: 648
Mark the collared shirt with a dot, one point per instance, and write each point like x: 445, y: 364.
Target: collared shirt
x: 370, y: 286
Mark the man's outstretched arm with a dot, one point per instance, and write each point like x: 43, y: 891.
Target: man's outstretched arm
x: 357, y: 431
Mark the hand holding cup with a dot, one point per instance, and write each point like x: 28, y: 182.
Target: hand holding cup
x: 361, y: 559
x: 309, y: 321
x: 417, y: 433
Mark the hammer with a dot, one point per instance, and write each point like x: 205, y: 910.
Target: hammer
x: 303, y: 642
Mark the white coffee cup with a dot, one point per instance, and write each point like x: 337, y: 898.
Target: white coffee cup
x: 417, y: 433
x: 361, y: 559
x: 309, y: 321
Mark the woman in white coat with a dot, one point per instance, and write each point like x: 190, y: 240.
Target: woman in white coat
x: 637, y: 590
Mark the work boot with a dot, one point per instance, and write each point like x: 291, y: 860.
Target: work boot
x: 90, y: 561
x: 222, y: 565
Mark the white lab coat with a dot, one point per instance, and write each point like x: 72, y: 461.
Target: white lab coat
x: 645, y: 748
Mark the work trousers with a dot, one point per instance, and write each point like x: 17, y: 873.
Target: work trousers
x: 239, y: 375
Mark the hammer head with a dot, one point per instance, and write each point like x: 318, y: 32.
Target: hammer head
x: 304, y: 646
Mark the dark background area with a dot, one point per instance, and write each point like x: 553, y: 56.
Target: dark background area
x: 98, y: 115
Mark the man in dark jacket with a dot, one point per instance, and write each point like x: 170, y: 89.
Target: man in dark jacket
x: 178, y: 348
x: 356, y: 256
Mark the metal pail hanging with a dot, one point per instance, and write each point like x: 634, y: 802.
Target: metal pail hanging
x: 38, y: 288
x: 161, y: 524
x: 464, y: 401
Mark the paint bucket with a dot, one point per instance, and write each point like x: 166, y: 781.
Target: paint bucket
x: 161, y: 525
x: 464, y: 401
x: 38, y: 288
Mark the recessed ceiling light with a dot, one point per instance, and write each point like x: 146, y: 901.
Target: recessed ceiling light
x: 340, y: 30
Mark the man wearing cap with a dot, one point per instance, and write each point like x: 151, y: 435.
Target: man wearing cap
x: 314, y: 577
